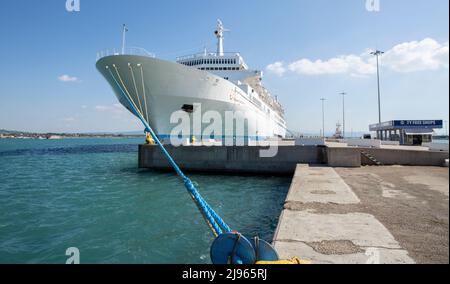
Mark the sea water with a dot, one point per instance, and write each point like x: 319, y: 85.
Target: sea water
x: 90, y: 195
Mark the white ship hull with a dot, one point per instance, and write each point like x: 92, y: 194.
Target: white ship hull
x: 159, y: 88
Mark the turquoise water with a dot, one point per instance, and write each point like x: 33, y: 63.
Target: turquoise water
x: 89, y: 194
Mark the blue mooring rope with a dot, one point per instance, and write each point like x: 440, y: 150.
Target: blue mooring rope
x: 216, y: 222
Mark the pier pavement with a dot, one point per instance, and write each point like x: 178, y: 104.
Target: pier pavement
x: 390, y: 214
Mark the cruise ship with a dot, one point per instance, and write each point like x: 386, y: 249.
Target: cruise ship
x: 220, y: 82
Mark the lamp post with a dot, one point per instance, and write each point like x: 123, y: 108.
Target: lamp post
x: 323, y: 117
x: 343, y: 113
x: 377, y: 54
x: 446, y: 128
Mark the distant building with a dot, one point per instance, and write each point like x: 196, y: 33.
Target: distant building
x: 54, y: 137
x: 407, y: 132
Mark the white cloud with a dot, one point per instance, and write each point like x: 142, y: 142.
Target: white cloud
x: 413, y: 56
x: 115, y: 108
x: 69, y: 119
x: 67, y: 78
x: 276, y: 68
x: 350, y: 64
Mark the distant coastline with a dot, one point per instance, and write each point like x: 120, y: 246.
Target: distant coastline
x: 10, y: 134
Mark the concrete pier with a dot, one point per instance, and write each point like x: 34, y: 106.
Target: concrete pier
x: 368, y: 215
x: 337, y: 211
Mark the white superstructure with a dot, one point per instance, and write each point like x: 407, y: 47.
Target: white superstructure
x: 219, y: 82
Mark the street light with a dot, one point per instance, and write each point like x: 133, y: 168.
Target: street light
x: 343, y: 113
x: 378, y: 53
x: 323, y: 117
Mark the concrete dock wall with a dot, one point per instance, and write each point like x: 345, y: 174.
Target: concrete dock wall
x: 232, y: 159
x: 343, y: 157
x: 247, y: 159
x: 408, y: 157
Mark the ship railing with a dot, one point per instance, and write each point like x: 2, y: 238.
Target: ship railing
x: 203, y: 55
x: 139, y: 51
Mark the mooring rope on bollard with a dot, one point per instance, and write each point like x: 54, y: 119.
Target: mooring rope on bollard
x: 229, y: 247
x: 213, y: 220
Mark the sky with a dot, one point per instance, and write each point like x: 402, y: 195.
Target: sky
x: 307, y: 49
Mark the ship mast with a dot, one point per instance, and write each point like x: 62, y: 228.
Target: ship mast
x: 219, y: 34
x: 124, y: 32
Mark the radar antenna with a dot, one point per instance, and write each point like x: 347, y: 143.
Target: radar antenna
x: 219, y: 34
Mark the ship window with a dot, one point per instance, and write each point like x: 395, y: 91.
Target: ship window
x: 216, y: 68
